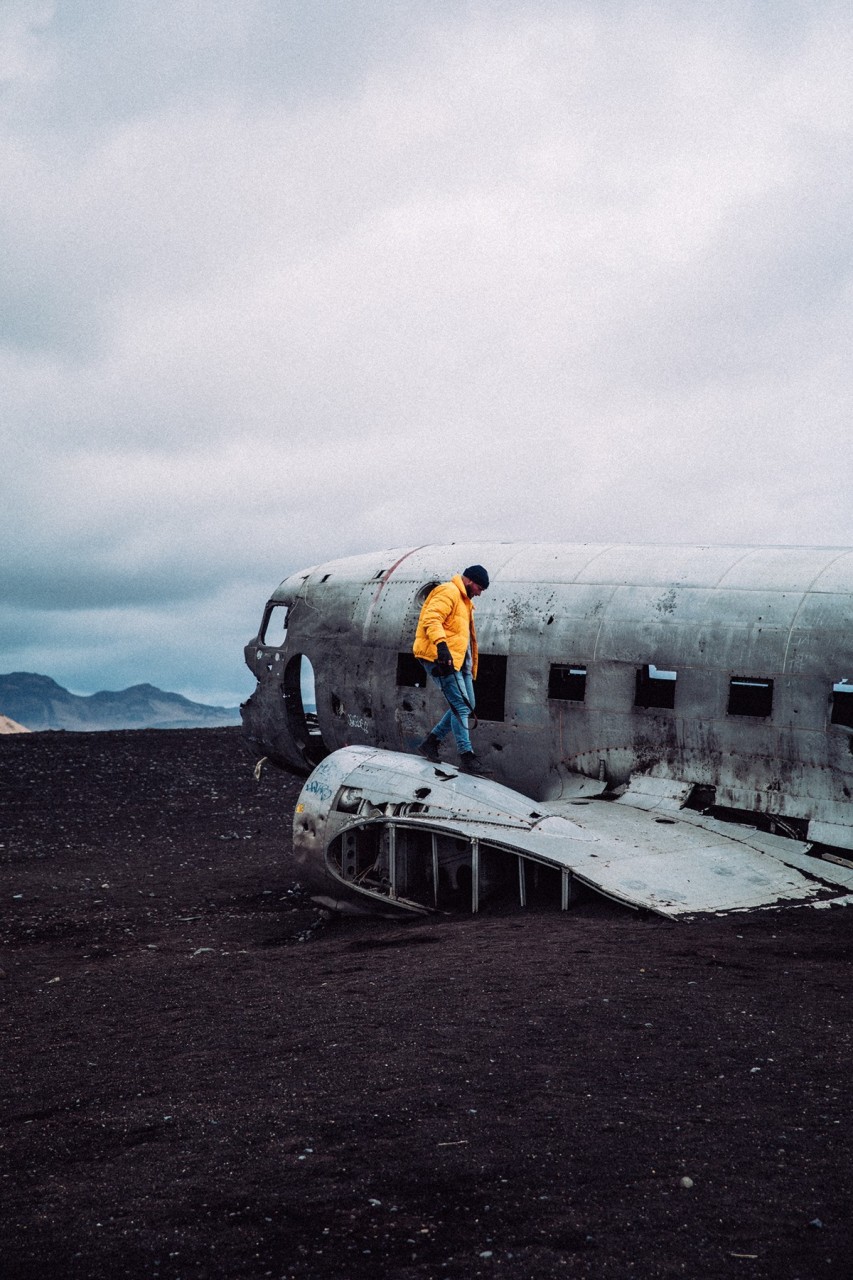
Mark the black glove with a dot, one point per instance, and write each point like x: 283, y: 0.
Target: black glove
x: 443, y: 660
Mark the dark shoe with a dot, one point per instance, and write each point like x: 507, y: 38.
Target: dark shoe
x: 470, y: 764
x: 429, y: 748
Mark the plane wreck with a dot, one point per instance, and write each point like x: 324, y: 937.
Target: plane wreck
x: 671, y: 727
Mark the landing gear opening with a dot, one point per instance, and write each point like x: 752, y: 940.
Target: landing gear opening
x: 427, y: 868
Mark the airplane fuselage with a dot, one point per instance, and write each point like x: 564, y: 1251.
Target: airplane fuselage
x: 726, y: 667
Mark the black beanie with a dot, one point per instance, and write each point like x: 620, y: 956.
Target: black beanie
x: 477, y: 574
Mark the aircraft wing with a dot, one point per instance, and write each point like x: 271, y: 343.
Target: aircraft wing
x: 681, y: 862
x: 388, y: 826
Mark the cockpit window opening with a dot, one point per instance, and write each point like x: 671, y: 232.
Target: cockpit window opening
x: 567, y: 682
x: 490, y: 686
x: 273, y: 631
x: 655, y: 687
x: 410, y: 672
x: 750, y: 697
x: 842, y: 702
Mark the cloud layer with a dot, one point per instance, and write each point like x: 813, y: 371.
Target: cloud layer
x: 290, y: 281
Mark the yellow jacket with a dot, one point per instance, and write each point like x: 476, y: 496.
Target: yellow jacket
x: 447, y: 615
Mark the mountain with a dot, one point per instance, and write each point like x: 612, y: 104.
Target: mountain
x: 38, y: 702
x: 11, y: 726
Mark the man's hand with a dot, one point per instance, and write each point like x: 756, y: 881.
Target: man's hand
x: 443, y: 660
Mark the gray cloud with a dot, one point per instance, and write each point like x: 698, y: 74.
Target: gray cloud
x: 285, y: 281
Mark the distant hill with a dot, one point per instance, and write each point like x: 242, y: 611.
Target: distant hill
x: 11, y: 726
x: 37, y: 702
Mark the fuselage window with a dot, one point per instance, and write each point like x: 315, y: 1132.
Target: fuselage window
x: 274, y: 626
x: 749, y: 697
x: 410, y: 672
x: 655, y: 688
x: 842, y: 702
x: 490, y: 686
x: 566, y: 683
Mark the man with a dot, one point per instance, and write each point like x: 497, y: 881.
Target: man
x: 446, y: 643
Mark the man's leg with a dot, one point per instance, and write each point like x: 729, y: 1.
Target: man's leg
x: 469, y: 690
x: 429, y: 747
x: 442, y: 729
x: 454, y: 689
x: 468, y: 761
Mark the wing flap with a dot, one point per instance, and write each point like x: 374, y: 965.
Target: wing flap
x: 690, y: 864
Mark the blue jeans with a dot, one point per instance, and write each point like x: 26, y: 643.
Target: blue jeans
x: 456, y: 688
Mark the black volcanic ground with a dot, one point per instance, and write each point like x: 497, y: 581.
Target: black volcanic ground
x: 200, y: 1078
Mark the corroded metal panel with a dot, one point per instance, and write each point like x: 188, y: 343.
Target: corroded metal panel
x: 787, y: 569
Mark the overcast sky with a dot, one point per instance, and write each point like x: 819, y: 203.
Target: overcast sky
x: 288, y: 279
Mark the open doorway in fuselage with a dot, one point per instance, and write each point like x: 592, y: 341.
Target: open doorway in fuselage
x: 300, y: 704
